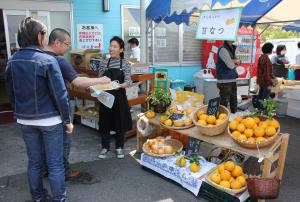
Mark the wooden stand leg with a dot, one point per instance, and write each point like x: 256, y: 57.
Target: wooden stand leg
x: 282, y: 155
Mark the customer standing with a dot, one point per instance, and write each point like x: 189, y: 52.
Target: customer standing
x: 280, y: 63
x: 117, y: 120
x: 59, y: 43
x: 265, y: 76
x: 135, y: 49
x: 226, y: 75
x: 39, y: 99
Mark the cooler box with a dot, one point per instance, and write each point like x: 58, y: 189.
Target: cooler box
x: 177, y: 84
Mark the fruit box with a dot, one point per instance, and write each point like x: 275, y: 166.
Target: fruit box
x: 81, y: 57
x: 230, y: 191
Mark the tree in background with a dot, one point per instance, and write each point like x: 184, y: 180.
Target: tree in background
x: 276, y: 33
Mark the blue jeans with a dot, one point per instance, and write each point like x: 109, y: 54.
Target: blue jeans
x: 51, y: 138
x: 67, y: 148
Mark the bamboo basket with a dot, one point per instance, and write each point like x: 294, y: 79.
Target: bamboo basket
x: 176, y: 144
x: 253, y: 145
x: 263, y: 188
x: 177, y: 128
x: 230, y: 191
x: 212, y: 130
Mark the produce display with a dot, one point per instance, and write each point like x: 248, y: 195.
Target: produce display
x: 229, y: 177
x: 210, y: 120
x: 254, y: 130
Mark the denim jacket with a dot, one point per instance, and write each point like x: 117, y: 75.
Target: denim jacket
x: 35, y: 85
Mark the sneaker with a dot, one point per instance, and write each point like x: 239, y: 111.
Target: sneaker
x: 120, y: 153
x: 103, y: 153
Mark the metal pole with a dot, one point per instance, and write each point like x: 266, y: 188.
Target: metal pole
x: 252, y: 58
x: 143, y: 27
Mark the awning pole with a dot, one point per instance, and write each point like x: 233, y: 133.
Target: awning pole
x: 251, y: 61
x: 143, y: 31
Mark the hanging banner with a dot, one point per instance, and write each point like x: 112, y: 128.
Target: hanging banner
x: 90, y: 36
x: 221, y: 24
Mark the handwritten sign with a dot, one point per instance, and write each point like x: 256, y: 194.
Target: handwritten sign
x: 221, y: 24
x: 213, y: 106
x: 90, y: 36
x: 193, y: 146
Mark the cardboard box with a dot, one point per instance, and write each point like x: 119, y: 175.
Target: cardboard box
x: 140, y: 69
x: 81, y: 57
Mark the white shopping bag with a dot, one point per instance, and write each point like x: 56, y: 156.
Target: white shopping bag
x: 104, y: 97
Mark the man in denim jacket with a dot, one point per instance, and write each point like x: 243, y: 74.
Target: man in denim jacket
x: 40, y: 103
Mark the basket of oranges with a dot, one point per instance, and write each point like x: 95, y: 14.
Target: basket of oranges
x: 253, y: 132
x: 228, y: 177
x: 178, y: 124
x: 161, y: 147
x: 209, y: 124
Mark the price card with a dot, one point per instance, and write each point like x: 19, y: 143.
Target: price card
x: 193, y: 146
x: 213, y: 106
x: 176, y: 116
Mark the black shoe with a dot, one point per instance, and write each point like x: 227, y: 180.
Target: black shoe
x: 46, y: 199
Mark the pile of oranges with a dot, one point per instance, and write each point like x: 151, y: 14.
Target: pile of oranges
x: 253, y: 129
x: 209, y: 120
x: 229, y: 175
x: 175, y: 123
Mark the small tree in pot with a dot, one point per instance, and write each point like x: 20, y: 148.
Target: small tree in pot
x: 159, y: 99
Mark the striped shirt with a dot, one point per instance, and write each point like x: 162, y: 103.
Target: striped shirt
x: 115, y: 63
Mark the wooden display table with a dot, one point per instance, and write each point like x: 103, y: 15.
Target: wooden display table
x: 272, y: 154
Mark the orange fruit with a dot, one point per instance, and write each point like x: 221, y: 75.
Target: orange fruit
x: 249, y: 123
x: 251, y: 139
x: 241, y: 180
x: 235, y: 184
x: 163, y: 118
x: 270, y: 131
x: 229, y: 165
x: 263, y: 124
x: 237, y: 171
x: 168, y: 122
x: 221, y: 168
x: 168, y: 149
x: 241, y: 128
x: 242, y: 137
x: 150, y: 114
x: 259, y: 131
x: 243, y: 121
x: 248, y: 132
x: 194, y: 167
x: 225, y: 183
x: 203, y: 117
x: 188, y: 122
x: 233, y: 125
x: 236, y: 133
x: 178, y: 123
x: 274, y: 123
x: 222, y: 116
x: 260, y: 139
x: 218, y: 121
x: 181, y: 161
x: 202, y: 122
x: 225, y: 175
x: 255, y: 126
x: 238, y: 119
x: 199, y: 113
x: 211, y: 119
x: 256, y: 120
x: 232, y: 178
x: 216, y: 178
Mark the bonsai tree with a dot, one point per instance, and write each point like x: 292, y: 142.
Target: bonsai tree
x: 160, y: 100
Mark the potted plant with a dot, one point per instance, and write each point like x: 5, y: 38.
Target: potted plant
x: 159, y: 99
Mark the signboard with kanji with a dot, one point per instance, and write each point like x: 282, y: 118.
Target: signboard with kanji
x: 221, y: 24
x: 89, y: 36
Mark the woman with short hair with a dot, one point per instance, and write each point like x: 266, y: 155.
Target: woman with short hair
x: 280, y: 62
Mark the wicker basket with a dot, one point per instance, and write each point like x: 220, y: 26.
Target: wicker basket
x: 212, y: 130
x: 230, y: 191
x: 253, y: 145
x: 176, y: 144
x: 177, y: 128
x: 263, y: 188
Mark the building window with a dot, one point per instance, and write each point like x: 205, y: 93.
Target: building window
x: 168, y: 44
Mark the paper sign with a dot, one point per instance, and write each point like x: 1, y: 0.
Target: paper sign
x: 213, y: 106
x: 193, y: 146
x: 221, y: 24
x: 214, y: 49
x: 90, y: 36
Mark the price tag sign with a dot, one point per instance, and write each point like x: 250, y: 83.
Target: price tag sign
x: 176, y: 116
x: 193, y: 146
x: 213, y: 106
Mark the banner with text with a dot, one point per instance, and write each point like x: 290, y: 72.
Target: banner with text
x: 221, y: 24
